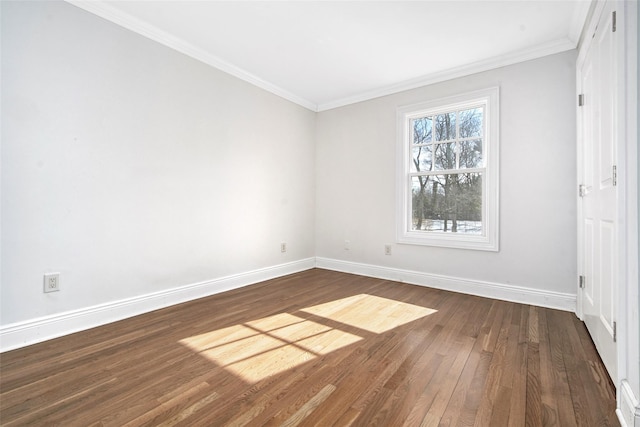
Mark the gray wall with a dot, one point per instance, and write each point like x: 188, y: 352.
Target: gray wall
x: 355, y: 200
x: 131, y: 168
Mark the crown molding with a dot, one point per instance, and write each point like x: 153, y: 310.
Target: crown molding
x: 551, y: 48
x: 118, y: 17
x: 145, y: 29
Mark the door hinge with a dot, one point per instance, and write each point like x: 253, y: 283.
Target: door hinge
x: 613, y: 21
x: 582, y: 282
x: 582, y: 190
x: 580, y: 100
x: 615, y: 175
x: 615, y: 331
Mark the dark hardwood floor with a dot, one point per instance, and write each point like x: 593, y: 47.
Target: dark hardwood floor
x: 317, y: 348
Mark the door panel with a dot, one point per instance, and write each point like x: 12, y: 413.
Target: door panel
x: 588, y: 248
x: 607, y: 268
x: 598, y: 217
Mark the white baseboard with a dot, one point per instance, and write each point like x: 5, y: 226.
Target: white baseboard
x: 29, y: 332
x: 628, y: 406
x: 21, y: 334
x: 550, y: 299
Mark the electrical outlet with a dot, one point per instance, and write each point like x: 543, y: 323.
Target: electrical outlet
x: 51, y: 282
x: 347, y: 245
x: 387, y: 249
x: 283, y: 247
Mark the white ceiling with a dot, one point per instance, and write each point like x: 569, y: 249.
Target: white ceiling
x: 324, y: 54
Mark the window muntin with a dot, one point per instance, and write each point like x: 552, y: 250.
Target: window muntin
x: 448, y: 173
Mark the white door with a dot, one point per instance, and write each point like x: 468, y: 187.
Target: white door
x: 598, y: 214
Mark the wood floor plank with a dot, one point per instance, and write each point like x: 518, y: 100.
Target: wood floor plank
x: 560, y: 390
x: 575, y: 360
x: 533, y: 411
x: 317, y: 348
x: 518, y: 401
x: 496, y: 368
x: 462, y: 406
x: 309, y: 406
x: 423, y: 369
x: 437, y: 394
x: 433, y: 402
x: 549, y: 401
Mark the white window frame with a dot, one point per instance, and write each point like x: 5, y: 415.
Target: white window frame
x: 489, y: 240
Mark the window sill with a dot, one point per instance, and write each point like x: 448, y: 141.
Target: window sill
x: 450, y: 240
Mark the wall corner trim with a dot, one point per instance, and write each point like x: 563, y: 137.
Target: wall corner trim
x: 518, y: 294
x: 22, y: 334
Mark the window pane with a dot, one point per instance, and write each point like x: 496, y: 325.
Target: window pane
x: 471, y: 154
x: 471, y: 123
x: 421, y: 205
x: 421, y: 159
x: 422, y: 129
x: 445, y: 156
x: 447, y: 203
x: 445, y: 126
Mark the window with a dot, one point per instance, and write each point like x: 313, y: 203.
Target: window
x: 448, y: 172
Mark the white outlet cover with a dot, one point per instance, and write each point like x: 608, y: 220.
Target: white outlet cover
x: 51, y: 282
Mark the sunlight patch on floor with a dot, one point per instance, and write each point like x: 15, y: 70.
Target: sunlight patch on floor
x: 370, y: 312
x: 268, y: 346
x: 264, y: 347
